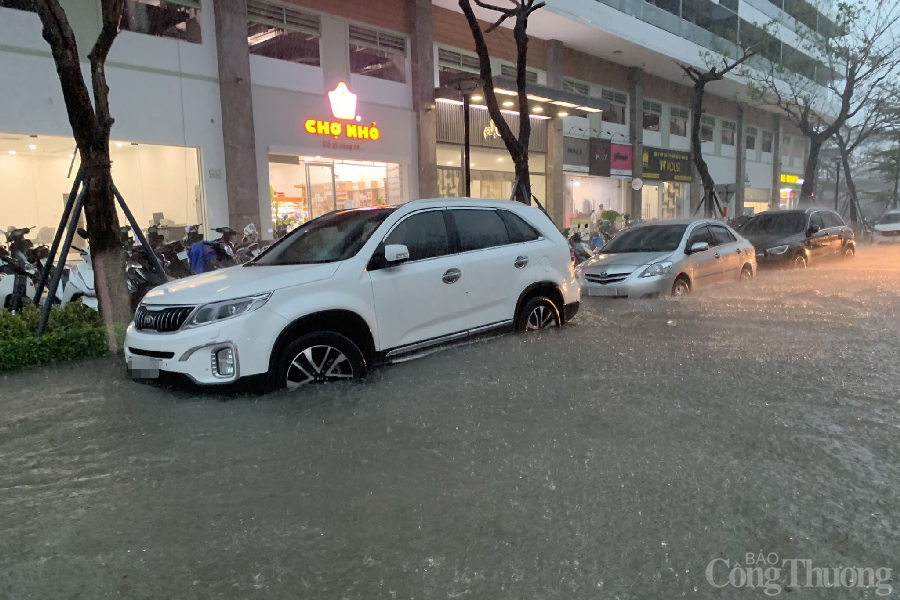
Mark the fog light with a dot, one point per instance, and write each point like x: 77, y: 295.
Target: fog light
x: 223, y: 362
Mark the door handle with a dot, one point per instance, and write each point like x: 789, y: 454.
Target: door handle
x: 451, y: 276
x: 521, y: 261
x: 738, y: 251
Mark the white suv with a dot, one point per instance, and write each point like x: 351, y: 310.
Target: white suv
x: 358, y: 287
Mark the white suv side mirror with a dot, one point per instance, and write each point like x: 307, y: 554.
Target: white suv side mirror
x: 396, y: 253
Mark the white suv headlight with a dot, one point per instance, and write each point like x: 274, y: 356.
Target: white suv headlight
x: 657, y: 269
x: 227, y: 309
x: 777, y: 250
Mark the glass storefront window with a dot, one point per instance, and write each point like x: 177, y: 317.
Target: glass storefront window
x: 160, y: 184
x: 585, y: 194
x: 306, y: 187
x: 179, y: 19
x: 493, y: 173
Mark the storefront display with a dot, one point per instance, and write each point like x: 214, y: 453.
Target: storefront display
x: 667, y: 194
x: 306, y: 187
x: 790, y: 190
x: 160, y: 184
x: 492, y: 171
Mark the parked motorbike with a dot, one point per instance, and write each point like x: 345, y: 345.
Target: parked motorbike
x: 249, y: 248
x: 17, y: 275
x: 77, y: 282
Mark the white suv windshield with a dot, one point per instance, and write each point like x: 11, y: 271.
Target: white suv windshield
x: 333, y: 237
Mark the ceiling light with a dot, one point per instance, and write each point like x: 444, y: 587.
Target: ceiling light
x: 538, y: 109
x: 32, y: 147
x: 477, y: 98
x: 562, y: 113
x: 449, y: 162
x: 500, y: 159
x: 577, y: 183
x: 12, y: 151
x: 118, y: 144
x: 318, y: 158
x: 509, y: 103
x: 71, y: 156
x: 471, y: 164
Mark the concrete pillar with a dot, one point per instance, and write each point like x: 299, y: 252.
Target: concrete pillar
x: 555, y: 202
x: 335, y: 42
x: 775, y: 200
x: 237, y: 115
x: 422, y: 58
x: 740, y: 160
x: 636, y: 131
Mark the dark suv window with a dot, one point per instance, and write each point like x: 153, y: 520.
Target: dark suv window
x: 816, y: 220
x: 722, y: 235
x: 519, y: 230
x: 832, y: 219
x: 479, y: 229
x: 424, y: 234
x: 701, y: 234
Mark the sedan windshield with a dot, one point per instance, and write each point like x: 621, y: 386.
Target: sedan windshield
x: 775, y: 224
x: 333, y: 237
x: 891, y: 218
x: 650, y: 238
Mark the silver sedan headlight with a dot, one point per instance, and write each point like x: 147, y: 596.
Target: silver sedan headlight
x: 776, y: 250
x: 227, y: 309
x: 657, y: 269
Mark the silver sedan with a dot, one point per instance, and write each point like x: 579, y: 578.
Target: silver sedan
x: 667, y: 257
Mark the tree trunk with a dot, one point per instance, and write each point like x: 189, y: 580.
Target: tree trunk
x: 848, y: 178
x: 523, y: 193
x: 697, y: 148
x: 107, y: 254
x: 810, y: 169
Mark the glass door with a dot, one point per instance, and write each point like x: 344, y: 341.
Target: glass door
x: 322, y: 198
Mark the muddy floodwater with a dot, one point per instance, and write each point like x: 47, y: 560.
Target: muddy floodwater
x: 615, y: 458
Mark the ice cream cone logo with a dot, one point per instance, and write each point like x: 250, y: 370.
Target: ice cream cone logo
x: 343, y: 102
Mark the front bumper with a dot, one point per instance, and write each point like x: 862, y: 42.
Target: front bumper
x: 190, y: 352
x: 775, y: 260
x: 633, y: 286
x: 880, y: 238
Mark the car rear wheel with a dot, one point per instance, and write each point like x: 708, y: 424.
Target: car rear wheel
x: 320, y: 357
x: 537, y: 314
x: 681, y: 287
x: 746, y: 273
x: 849, y: 252
x: 800, y: 262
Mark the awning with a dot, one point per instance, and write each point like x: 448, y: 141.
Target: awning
x: 542, y: 99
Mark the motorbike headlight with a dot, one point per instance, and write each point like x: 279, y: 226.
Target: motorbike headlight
x: 657, y: 269
x: 227, y: 309
x: 776, y: 250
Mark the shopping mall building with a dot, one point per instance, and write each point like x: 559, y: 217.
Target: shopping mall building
x: 239, y: 111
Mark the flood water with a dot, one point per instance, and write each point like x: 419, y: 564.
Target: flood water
x: 613, y: 458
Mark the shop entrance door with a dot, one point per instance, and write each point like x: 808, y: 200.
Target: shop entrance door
x: 322, y: 197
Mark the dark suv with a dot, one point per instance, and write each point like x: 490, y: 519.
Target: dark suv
x: 798, y: 237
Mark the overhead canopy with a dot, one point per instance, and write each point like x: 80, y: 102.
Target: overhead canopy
x: 543, y: 100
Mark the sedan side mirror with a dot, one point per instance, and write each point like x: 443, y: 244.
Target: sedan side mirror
x: 699, y: 247
x: 813, y: 230
x: 395, y: 254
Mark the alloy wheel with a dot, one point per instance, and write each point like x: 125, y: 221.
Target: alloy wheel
x: 799, y: 262
x: 318, y: 364
x: 746, y: 275
x: 680, y: 288
x: 849, y: 253
x: 540, y: 318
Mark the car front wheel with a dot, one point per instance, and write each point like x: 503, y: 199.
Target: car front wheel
x: 681, y: 287
x: 320, y: 357
x: 849, y: 252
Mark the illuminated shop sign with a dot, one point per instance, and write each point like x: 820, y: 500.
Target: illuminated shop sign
x: 343, y: 108
x: 791, y: 179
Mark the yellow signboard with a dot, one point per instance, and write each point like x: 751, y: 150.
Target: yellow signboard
x: 791, y: 179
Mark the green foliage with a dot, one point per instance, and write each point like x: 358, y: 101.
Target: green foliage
x: 73, y: 332
x: 610, y: 215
